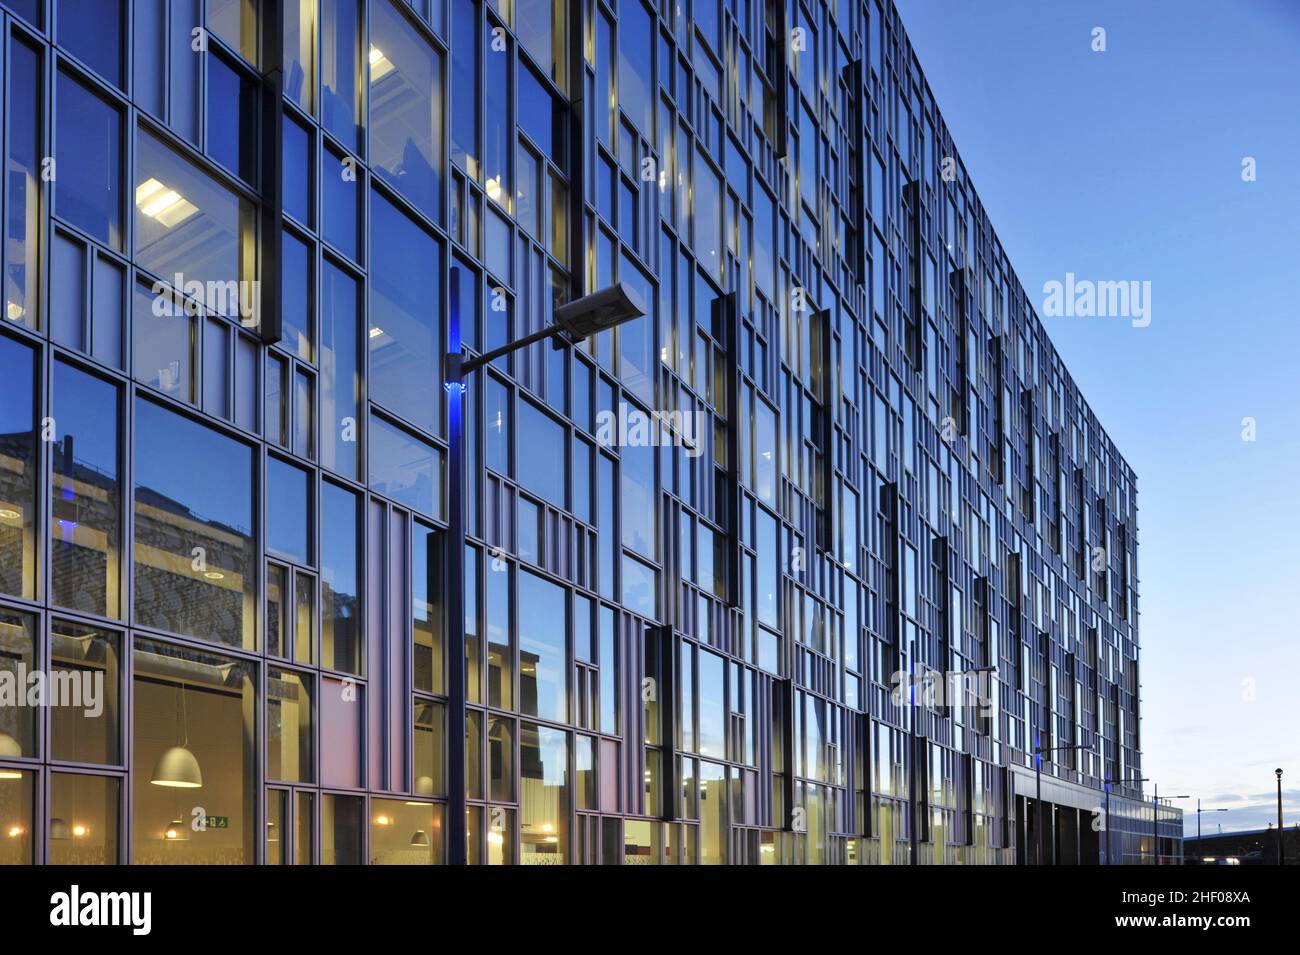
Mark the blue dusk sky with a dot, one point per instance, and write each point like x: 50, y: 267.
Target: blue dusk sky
x: 1127, y: 165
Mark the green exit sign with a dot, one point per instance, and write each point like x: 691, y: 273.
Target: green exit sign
x: 216, y: 822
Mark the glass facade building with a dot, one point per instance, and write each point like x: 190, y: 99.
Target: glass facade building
x: 723, y: 564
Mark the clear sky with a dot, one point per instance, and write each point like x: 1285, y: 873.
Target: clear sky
x: 1127, y: 165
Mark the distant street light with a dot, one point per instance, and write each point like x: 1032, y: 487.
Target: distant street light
x: 1198, y: 819
x: 1281, y: 841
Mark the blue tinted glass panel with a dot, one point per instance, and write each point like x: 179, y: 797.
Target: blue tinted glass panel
x: 339, y: 202
x: 88, y: 188
x: 297, y: 171
x: 340, y: 370
x: 22, y: 220
x: 544, y: 453
x: 405, y: 328
x: 190, y: 230
x: 18, y: 467
x: 86, y: 529
x: 405, y: 108
x: 92, y: 31
x: 542, y: 655
x: 405, y: 468
x: 340, y: 44
x: 295, y: 300
x: 340, y: 580
x: 288, y: 490
x: 232, y: 111
x: 195, y: 553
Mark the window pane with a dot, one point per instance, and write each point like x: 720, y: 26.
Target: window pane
x: 707, y: 216
x: 195, y: 553
x: 501, y: 654
x: 84, y: 819
x: 635, y: 79
x: 340, y: 830
x: 195, y: 723
x: 528, y: 207
x: 235, y: 21
x: 544, y: 809
x: 86, y: 529
x: 16, y: 817
x: 288, y: 490
x: 405, y: 318
x: 339, y: 45
x: 541, y: 28
x: 87, y: 659
x: 191, y: 231
x: 543, y: 660
x: 23, y: 220
x: 340, y: 371
x: 106, y: 315
x: 304, y: 627
x: 405, y: 833
x: 538, y: 116
x: 67, y: 291
x: 497, y: 122
x: 299, y: 52
x: 340, y: 613
x: 405, y: 108
x: 232, y: 117
x: 288, y: 726
x: 88, y: 190
x: 608, y: 672
x: 339, y: 202
x: 712, y: 705
x: 638, y: 498
x: 18, y: 467
x: 464, y: 85
x: 295, y: 276
x: 430, y: 756
x: 18, y: 724
x: 276, y: 811
x: 297, y: 178
x: 92, y: 31
x: 426, y: 587
x: 162, y: 333
x: 216, y: 367
x: 404, y: 468
x: 304, y: 847
x: 276, y: 613
x: 542, y: 442
x: 501, y: 759
x: 185, y: 67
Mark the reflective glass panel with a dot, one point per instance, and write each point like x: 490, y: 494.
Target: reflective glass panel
x: 195, y: 553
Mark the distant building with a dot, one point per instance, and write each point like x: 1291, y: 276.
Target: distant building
x: 1252, y: 847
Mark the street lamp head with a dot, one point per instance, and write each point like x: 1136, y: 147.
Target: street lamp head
x: 594, y: 313
x: 1278, y: 772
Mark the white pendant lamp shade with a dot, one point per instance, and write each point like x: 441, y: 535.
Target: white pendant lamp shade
x: 178, y: 769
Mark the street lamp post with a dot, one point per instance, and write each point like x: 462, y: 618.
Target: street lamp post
x: 1198, y: 818
x: 573, y: 322
x: 1281, y: 841
x: 1109, y: 841
x: 1155, y: 822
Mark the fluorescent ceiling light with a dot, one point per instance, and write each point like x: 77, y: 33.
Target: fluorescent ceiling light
x: 166, y: 206
x: 380, y: 66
